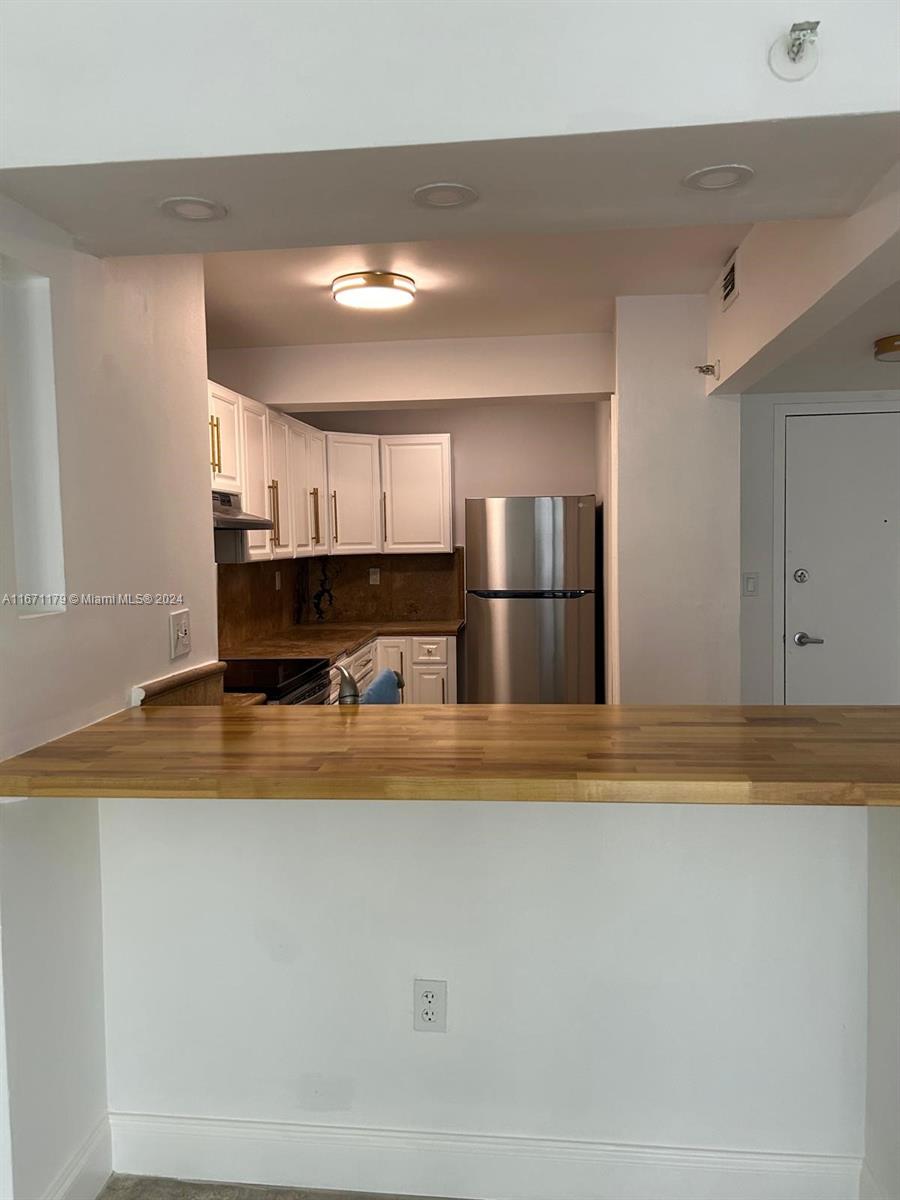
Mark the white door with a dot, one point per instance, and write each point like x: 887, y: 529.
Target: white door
x: 842, y: 559
x: 354, y: 477
x: 224, y: 438
x: 280, y: 484
x: 256, y: 494
x: 317, y: 483
x: 430, y: 685
x: 394, y: 655
x: 301, y: 511
x: 417, y: 496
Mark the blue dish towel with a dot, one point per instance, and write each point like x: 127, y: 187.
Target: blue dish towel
x: 382, y: 690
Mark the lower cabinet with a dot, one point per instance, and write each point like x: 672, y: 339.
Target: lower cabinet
x: 428, y: 667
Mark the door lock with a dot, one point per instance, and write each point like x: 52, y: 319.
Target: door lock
x: 801, y: 575
x: 803, y: 639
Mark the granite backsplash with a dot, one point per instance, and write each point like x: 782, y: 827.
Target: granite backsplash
x: 413, y: 587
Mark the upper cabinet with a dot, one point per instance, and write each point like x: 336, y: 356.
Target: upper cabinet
x: 281, y: 484
x: 224, y: 439
x: 417, y: 494
x: 354, y: 478
x: 256, y: 492
x: 329, y: 493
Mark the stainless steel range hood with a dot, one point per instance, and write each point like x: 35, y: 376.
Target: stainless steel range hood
x: 230, y: 525
x: 228, y: 514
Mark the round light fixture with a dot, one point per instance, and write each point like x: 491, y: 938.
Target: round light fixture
x: 193, y: 208
x: 374, y: 290
x: 444, y: 195
x: 719, y: 177
x: 887, y: 349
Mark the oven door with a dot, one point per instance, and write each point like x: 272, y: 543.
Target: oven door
x: 312, y: 692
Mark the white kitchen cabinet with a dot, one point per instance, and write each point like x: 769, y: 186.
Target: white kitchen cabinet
x: 416, y: 493
x: 393, y: 655
x: 224, y: 438
x: 354, y: 479
x: 299, y: 499
x: 428, y: 667
x: 256, y: 493
x: 317, y: 486
x: 280, y: 484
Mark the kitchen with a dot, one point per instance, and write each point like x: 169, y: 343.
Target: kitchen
x: 586, y: 951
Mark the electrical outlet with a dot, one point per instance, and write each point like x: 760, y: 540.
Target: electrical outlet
x: 374, y: 575
x: 430, y: 1005
x: 179, y: 632
x: 277, y: 581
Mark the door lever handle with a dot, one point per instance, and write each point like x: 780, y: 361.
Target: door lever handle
x: 803, y: 639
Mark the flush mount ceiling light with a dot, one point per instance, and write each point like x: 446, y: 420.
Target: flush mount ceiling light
x: 374, y: 290
x: 444, y: 195
x: 887, y: 349
x: 193, y: 208
x: 719, y: 177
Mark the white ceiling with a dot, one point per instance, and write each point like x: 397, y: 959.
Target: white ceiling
x: 474, y: 287
x: 843, y: 361
x: 804, y: 168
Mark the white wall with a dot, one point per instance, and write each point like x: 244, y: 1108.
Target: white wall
x: 129, y: 345
x: 622, y: 978
x: 52, y: 965
x: 444, y: 72
x: 503, y: 450
x: 409, y: 372
x: 677, y: 468
x: 758, y: 429
x: 883, y: 1073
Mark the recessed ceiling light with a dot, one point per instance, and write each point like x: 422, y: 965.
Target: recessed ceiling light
x: 887, y: 349
x: 193, y: 208
x: 444, y: 195
x: 718, y: 178
x: 374, y: 290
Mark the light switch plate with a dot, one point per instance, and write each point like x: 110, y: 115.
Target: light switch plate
x: 750, y: 584
x: 179, y: 632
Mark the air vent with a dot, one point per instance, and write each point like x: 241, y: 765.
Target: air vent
x: 729, y: 282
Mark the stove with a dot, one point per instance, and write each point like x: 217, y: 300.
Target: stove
x: 283, y: 680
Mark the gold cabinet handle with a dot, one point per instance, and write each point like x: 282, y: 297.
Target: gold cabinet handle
x: 317, y: 529
x: 212, y: 444
x: 402, y: 690
x: 334, y: 535
x: 276, y: 514
x: 443, y: 690
x: 218, y: 445
x: 384, y: 515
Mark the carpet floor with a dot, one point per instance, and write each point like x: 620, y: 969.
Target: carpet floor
x: 139, y: 1187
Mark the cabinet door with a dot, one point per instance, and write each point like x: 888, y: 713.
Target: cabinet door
x: 256, y: 493
x: 354, y: 477
x: 318, y: 491
x: 394, y: 655
x: 300, y: 497
x: 280, y: 484
x: 224, y: 438
x: 417, y: 494
x: 430, y: 684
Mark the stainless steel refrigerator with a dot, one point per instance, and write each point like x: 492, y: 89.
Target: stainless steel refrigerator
x: 529, y: 636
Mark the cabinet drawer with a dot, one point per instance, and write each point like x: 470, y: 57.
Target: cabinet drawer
x: 429, y: 650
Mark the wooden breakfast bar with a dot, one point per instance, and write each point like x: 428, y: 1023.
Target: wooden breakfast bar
x: 668, y: 937
x: 619, y: 754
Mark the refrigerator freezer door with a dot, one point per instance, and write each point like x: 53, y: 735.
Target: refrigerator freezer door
x: 529, y: 650
x: 530, y: 543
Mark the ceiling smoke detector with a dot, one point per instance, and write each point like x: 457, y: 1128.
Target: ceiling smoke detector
x: 193, y: 208
x: 719, y: 177
x: 887, y: 349
x: 444, y: 195
x: 375, y: 290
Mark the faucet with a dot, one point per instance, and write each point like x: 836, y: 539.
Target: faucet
x: 348, y: 692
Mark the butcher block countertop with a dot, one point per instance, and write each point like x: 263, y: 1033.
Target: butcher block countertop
x: 331, y: 640
x: 477, y: 752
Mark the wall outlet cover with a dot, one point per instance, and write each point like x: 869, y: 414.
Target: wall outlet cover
x: 430, y: 1005
x: 179, y: 632
x: 374, y: 575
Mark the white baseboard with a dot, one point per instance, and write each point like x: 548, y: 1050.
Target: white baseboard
x: 468, y: 1166
x: 85, y: 1174
x: 869, y: 1188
